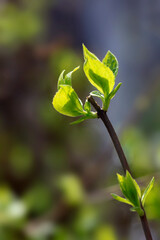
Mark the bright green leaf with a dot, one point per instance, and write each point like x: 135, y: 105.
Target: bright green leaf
x: 120, y: 199
x: 99, y: 75
x: 67, y: 79
x: 111, y: 61
x: 147, y: 191
x: 132, y: 181
x: 67, y: 102
x: 130, y: 188
x: 131, y: 191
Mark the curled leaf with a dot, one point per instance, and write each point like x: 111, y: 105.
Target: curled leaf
x: 67, y: 79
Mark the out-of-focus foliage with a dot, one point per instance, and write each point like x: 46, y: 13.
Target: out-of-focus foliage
x: 72, y: 190
x: 19, y: 25
x: 11, y: 209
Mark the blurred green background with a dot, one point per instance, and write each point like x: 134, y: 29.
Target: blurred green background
x: 56, y: 179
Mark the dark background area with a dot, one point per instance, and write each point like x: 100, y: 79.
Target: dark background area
x: 56, y: 179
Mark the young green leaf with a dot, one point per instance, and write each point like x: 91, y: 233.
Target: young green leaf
x: 120, y: 199
x: 87, y: 106
x: 134, y: 192
x: 129, y: 188
x: 67, y: 102
x: 79, y: 120
x: 99, y: 75
x: 111, y: 61
x: 97, y: 94
x: 67, y: 79
x: 112, y: 94
x: 69, y: 75
x: 131, y: 191
x: 147, y: 191
x: 60, y: 80
x: 89, y: 115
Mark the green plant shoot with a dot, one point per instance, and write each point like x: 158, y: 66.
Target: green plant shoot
x: 132, y: 192
x: 100, y: 74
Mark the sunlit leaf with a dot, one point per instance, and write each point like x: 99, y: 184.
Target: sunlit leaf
x: 99, y: 75
x: 67, y: 102
x: 67, y: 79
x: 111, y: 61
x: 147, y: 191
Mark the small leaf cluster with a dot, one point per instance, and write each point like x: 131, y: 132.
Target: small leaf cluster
x: 100, y: 74
x: 132, y: 192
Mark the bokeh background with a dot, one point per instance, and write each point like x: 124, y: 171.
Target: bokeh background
x: 56, y: 179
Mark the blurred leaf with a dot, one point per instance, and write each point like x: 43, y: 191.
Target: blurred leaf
x: 72, y: 189
x: 38, y: 198
x: 152, y: 204
x: 64, y: 58
x: 61, y: 233
x: 86, y: 219
x: 11, y: 209
x: 137, y: 150
x: 12, y: 20
x: 105, y: 232
x: 147, y: 191
x: 21, y: 160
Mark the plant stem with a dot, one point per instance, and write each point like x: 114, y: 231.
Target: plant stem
x: 103, y: 116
